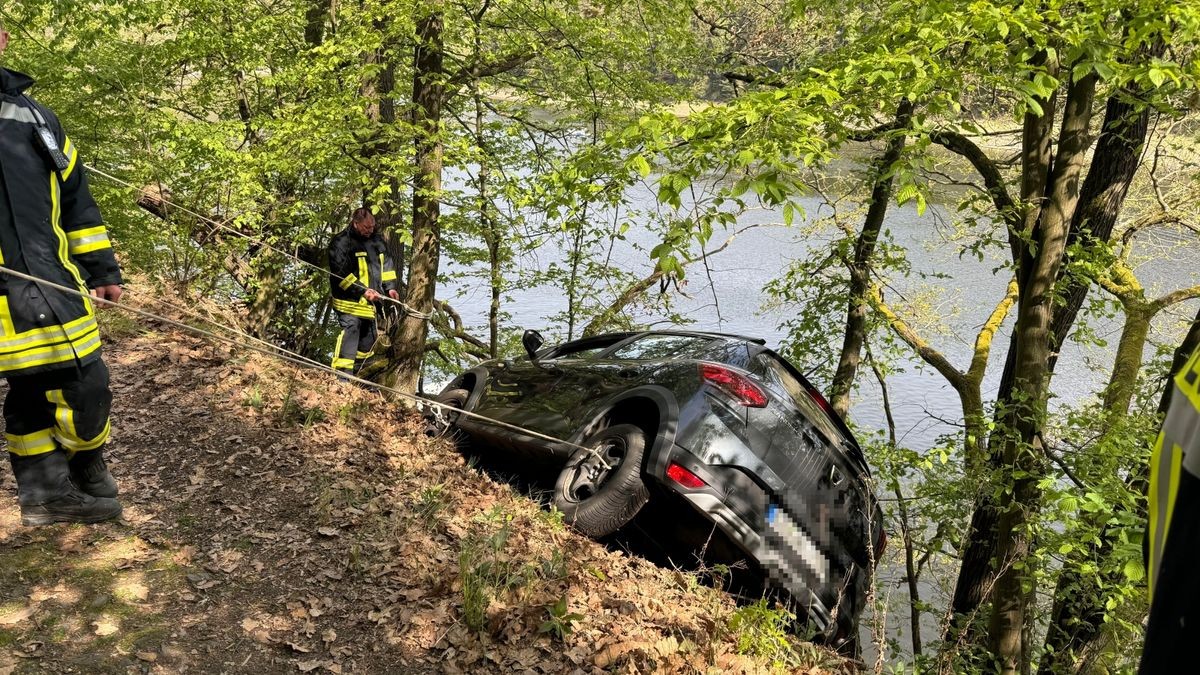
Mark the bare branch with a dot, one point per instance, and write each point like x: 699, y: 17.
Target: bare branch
x: 987, y: 169
x: 910, y: 336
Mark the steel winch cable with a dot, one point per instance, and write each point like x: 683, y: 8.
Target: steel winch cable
x: 253, y: 343
x: 423, y: 316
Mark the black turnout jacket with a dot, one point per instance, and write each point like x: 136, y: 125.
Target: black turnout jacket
x: 357, y: 263
x: 50, y: 228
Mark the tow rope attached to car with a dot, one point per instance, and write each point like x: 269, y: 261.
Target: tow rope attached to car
x: 264, y: 347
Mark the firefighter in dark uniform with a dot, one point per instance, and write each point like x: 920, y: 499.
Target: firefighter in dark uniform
x: 1174, y: 532
x: 361, y: 272
x: 56, y: 410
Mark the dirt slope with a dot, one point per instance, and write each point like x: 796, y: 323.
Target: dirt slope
x: 279, y: 522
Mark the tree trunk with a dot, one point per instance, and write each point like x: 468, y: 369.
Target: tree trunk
x: 1023, y: 452
x: 488, y: 224
x: 428, y: 98
x: 860, y: 267
x: 1078, y: 609
x: 1115, y: 161
x: 977, y: 571
x: 314, y: 21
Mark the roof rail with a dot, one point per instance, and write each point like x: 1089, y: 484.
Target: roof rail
x: 708, y: 333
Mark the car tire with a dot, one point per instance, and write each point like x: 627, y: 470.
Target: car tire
x: 599, y: 505
x: 442, y: 422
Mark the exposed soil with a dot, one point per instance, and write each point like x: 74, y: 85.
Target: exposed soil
x: 276, y: 521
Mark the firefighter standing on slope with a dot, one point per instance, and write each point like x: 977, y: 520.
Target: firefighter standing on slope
x: 361, y: 271
x: 56, y: 411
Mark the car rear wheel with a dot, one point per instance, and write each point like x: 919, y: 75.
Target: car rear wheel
x: 442, y: 421
x: 597, y: 499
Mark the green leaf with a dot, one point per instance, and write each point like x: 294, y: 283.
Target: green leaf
x: 1133, y: 570
x: 641, y: 165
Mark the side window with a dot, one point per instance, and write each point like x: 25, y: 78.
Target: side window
x: 655, y: 347
x: 584, y: 349
x: 581, y: 353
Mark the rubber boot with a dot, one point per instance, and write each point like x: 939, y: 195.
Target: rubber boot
x: 47, y: 495
x: 90, y: 473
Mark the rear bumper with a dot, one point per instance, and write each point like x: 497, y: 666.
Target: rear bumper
x: 765, y: 533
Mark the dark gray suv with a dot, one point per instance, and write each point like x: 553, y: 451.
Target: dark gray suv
x: 718, y: 421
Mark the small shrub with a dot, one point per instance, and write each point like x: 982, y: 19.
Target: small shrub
x: 762, y: 631
x: 560, y: 624
x: 431, y: 501
x: 254, y: 398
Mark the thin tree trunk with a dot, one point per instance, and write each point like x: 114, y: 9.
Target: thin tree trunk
x: 1023, y: 451
x: 314, y: 21
x: 491, y: 234
x: 910, y: 564
x: 428, y: 98
x: 860, y: 267
x: 977, y: 571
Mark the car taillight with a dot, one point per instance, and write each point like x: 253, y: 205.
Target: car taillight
x: 684, y: 477
x: 736, y: 385
x: 820, y: 401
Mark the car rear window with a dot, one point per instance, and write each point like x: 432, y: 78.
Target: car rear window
x: 779, y: 378
x: 656, y: 347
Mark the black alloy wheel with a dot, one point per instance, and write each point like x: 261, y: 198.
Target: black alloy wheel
x: 601, y: 487
x: 442, y: 421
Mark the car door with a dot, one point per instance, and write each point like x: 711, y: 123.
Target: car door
x: 541, y: 395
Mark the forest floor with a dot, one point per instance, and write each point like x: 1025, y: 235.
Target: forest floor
x: 276, y: 521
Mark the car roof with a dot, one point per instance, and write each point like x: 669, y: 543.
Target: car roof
x: 705, y: 333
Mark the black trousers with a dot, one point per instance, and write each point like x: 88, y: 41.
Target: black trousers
x: 355, y: 342
x: 66, y: 409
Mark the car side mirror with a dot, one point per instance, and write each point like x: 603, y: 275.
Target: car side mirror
x: 532, y: 341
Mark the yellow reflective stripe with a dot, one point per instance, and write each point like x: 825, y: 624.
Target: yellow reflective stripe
x: 1160, y: 513
x: 86, y: 232
x: 73, y: 155
x: 1190, y: 371
x: 363, y: 272
x: 7, y: 329
x: 67, y: 146
x: 361, y: 355
x: 343, y: 364
x: 348, y: 281
x: 337, y: 348
x: 37, y: 337
x: 37, y: 443
x: 383, y: 273
x: 63, y: 256
x: 60, y: 353
x: 77, y: 444
x: 360, y: 309
x: 62, y: 412
x: 88, y: 240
